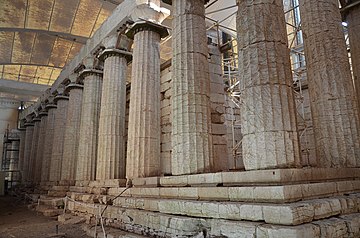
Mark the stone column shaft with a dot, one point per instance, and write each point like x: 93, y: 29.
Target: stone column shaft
x: 268, y: 113
x: 111, y: 144
x: 34, y: 146
x: 143, y: 148
x: 191, y: 116
x: 40, y: 147
x: 87, y: 151
x: 22, y: 149
x: 333, y: 102
x: 27, y: 150
x: 353, y: 19
x: 58, y: 141
x: 48, y: 143
x: 72, y: 133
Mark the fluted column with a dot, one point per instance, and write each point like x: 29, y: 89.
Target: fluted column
x: 22, y: 149
x: 111, y: 144
x: 191, y: 116
x: 58, y: 141
x: 34, y: 146
x: 87, y: 151
x: 72, y: 133
x: 143, y: 148
x: 353, y: 19
x: 27, y: 150
x: 40, y: 147
x: 333, y: 102
x: 48, y: 142
x: 268, y: 114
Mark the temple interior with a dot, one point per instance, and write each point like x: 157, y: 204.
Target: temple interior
x: 183, y: 118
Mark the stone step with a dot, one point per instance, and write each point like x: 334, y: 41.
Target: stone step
x: 49, y: 211
x: 165, y: 225
x: 256, y: 177
x: 270, y: 194
x: 51, y: 201
x: 284, y: 214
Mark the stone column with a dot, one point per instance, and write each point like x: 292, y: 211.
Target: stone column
x: 353, y: 19
x: 268, y: 113
x: 111, y: 144
x: 22, y: 149
x: 48, y: 141
x: 40, y: 146
x: 14, y: 161
x: 143, y: 148
x: 333, y: 102
x: 87, y: 152
x: 62, y: 102
x: 27, y: 150
x: 34, y: 145
x: 72, y: 132
x: 191, y: 116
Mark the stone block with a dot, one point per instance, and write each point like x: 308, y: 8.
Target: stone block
x: 301, y: 231
x: 209, y: 179
x: 217, y: 193
x: 232, y: 229
x: 218, y: 129
x: 333, y: 227
x: 146, y: 182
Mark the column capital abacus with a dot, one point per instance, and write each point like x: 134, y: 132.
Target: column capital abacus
x: 86, y: 72
x: 73, y: 86
x: 115, y: 52
x: 28, y: 124
x: 50, y: 105
x: 144, y: 25
x: 43, y: 113
x: 61, y: 97
x: 37, y: 119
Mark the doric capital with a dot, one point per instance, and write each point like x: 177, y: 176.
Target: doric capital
x: 61, y: 97
x: 149, y: 11
x: 91, y: 63
x: 73, y: 86
x: 86, y: 72
x: 43, y: 113
x: 147, y: 26
x: 115, y: 52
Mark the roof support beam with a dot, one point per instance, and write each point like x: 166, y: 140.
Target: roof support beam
x: 22, y: 88
x: 63, y: 35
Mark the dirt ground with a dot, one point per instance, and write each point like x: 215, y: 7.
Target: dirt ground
x: 17, y: 221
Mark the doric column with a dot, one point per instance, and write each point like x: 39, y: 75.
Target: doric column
x: 268, y: 114
x: 62, y: 103
x: 14, y: 163
x: 22, y: 148
x: 333, y: 102
x: 27, y: 150
x: 40, y: 146
x: 87, y: 152
x: 48, y: 141
x: 72, y: 130
x: 111, y: 143
x: 191, y: 116
x: 143, y: 148
x: 353, y: 19
x: 34, y: 146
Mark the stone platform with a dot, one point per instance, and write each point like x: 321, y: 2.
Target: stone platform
x: 271, y: 203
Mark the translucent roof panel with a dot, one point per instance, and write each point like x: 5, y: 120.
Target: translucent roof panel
x: 39, y: 37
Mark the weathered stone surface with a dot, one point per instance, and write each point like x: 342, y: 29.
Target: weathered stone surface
x: 333, y: 103
x: 27, y: 151
x: 40, y: 148
x: 353, y: 19
x: 49, y: 138
x: 268, y: 113
x: 88, y: 137
x: 143, y: 146
x: 191, y: 116
x: 270, y: 231
x: 22, y: 149
x: 111, y: 142
x: 72, y: 133
x: 33, y: 154
x: 58, y: 141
